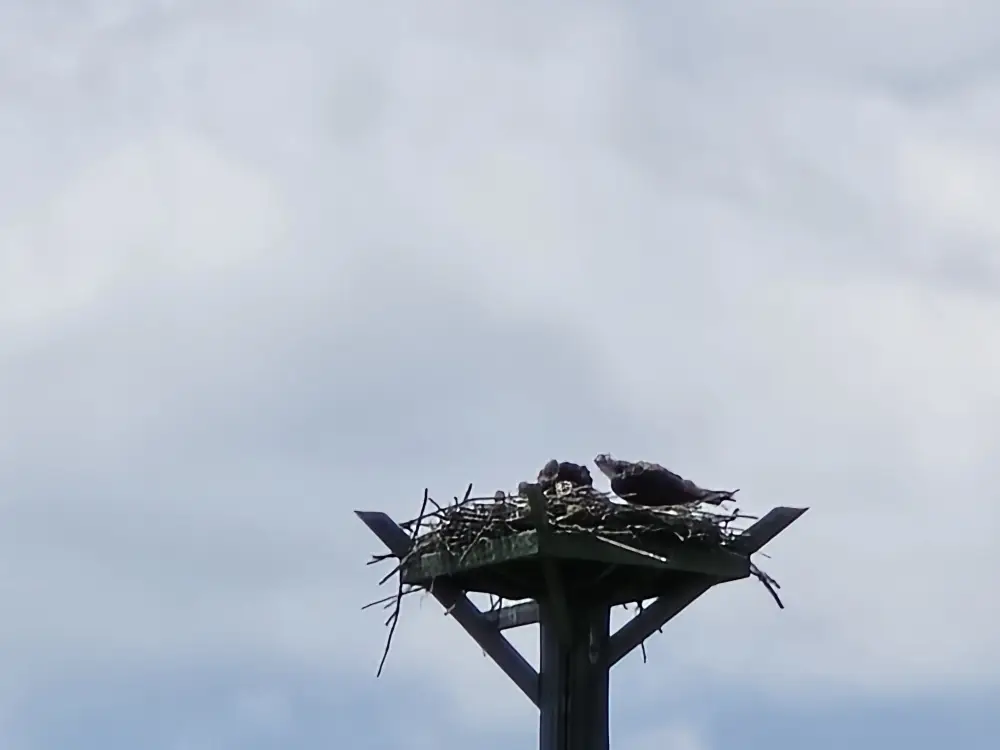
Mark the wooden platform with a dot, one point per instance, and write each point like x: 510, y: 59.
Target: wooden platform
x: 613, y: 567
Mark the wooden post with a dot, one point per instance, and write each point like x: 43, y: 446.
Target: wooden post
x: 574, y: 679
x: 576, y: 648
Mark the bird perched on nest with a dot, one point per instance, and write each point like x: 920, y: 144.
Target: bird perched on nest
x: 556, y: 472
x: 644, y: 483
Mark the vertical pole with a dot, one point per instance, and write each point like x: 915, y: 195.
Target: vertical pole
x: 574, y: 678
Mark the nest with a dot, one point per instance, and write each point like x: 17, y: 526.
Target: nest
x: 456, y: 528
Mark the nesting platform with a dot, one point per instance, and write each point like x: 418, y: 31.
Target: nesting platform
x: 574, y: 557
x: 599, y: 550
x: 613, y: 567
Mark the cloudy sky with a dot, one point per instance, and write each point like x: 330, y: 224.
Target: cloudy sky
x: 262, y: 263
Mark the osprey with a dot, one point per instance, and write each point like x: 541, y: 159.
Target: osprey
x: 555, y: 472
x: 644, y: 483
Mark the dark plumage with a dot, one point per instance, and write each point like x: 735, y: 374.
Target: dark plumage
x: 563, y: 471
x: 645, y: 483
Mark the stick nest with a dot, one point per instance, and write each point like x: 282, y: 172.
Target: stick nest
x: 456, y: 528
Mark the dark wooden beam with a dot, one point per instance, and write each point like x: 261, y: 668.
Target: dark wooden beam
x: 514, y: 615
x: 777, y: 520
x: 574, y: 681
x: 556, y: 602
x: 456, y: 603
x: 655, y: 616
x: 665, y: 608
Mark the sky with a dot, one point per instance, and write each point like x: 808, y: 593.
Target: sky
x: 265, y: 263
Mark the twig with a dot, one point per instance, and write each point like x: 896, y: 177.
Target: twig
x: 383, y: 600
x: 399, y: 566
x: 394, y: 620
x: 642, y: 643
x: 420, y: 518
x: 769, y: 583
x: 391, y: 599
x: 394, y: 617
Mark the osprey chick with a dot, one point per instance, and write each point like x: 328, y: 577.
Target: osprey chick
x: 555, y: 472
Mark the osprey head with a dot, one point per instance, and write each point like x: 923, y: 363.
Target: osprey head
x: 608, y: 465
x: 550, y: 470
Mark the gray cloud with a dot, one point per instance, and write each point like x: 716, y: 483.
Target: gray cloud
x: 257, y: 271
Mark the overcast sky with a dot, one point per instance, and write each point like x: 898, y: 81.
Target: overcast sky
x: 262, y: 263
